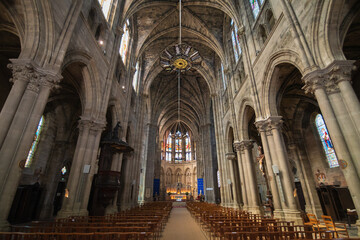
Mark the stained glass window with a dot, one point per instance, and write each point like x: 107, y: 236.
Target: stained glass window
x: 326, y: 141
x: 63, y: 170
x: 168, y: 148
x: 223, y: 76
x: 234, y: 46
x: 178, y: 147
x: 124, y: 42
x: 136, y: 77
x: 188, y: 147
x: 255, y: 7
x: 105, y: 7
x: 35, y: 143
x: 235, y: 41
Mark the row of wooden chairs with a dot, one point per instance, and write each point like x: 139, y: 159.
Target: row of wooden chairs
x: 328, y: 224
x: 144, y: 222
x: 228, y: 223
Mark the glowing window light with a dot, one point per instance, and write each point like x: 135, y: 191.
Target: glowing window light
x: 326, y: 141
x: 35, y: 143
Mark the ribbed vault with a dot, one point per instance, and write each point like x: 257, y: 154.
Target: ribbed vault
x: 194, y: 103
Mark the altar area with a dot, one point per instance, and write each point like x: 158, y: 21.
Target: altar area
x: 179, y: 193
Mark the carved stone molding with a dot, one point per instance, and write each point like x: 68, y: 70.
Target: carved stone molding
x: 329, y: 77
x: 247, y: 144
x: 36, y: 77
x: 237, y: 146
x: 274, y: 122
x: 230, y: 156
x: 93, y: 125
x: 261, y: 125
x: 21, y: 72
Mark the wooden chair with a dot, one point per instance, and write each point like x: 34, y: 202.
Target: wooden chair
x: 339, y: 228
x: 314, y: 222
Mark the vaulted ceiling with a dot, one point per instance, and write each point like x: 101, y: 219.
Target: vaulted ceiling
x: 156, y: 27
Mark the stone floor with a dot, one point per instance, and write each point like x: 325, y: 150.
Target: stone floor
x: 181, y: 226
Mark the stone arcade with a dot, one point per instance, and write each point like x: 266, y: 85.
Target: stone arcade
x: 90, y: 122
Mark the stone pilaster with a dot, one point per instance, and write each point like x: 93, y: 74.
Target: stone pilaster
x: 231, y: 157
x: 240, y: 158
x: 250, y: 177
x: 82, y: 169
x: 21, y: 128
x: 266, y: 139
x: 316, y: 83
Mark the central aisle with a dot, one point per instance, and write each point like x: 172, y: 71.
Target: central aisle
x: 181, y: 226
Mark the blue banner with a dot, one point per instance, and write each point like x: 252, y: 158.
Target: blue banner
x: 200, y: 186
x: 156, y: 187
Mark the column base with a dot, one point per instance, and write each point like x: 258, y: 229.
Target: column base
x: 4, y: 226
x: 111, y: 209
x: 358, y: 226
x: 69, y: 213
x: 233, y: 205
x: 293, y: 215
x: 255, y: 210
x: 279, y: 214
x: 314, y: 210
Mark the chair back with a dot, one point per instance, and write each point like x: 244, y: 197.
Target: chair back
x: 312, y: 218
x: 328, y: 222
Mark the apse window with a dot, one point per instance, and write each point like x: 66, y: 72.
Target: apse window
x: 124, y: 46
x: 105, y: 7
x: 255, y: 6
x: 235, y: 41
x: 223, y: 76
x: 35, y: 143
x: 136, y: 78
x: 168, y: 148
x: 63, y: 170
x: 326, y: 141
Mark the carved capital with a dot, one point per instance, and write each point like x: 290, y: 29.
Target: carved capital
x: 328, y: 78
x: 237, y: 146
x: 261, y: 125
x: 22, y: 72
x: 119, y: 31
x: 274, y: 122
x: 35, y: 76
x: 241, y: 31
x: 230, y: 156
x: 313, y: 81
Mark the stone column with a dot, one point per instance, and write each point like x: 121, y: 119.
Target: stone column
x: 150, y: 162
x: 20, y: 136
x: 250, y: 177
x: 231, y: 158
x: 53, y: 177
x: 21, y: 75
x: 313, y: 205
x: 262, y: 127
x: 340, y: 73
x: 345, y: 112
x: 315, y: 83
x: 82, y: 169
x: 240, y: 158
x: 208, y: 164
x: 290, y: 207
x: 293, y: 151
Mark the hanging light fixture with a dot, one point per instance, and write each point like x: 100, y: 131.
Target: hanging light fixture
x: 179, y: 57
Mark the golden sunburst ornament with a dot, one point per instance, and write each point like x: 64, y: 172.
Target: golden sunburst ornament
x: 179, y: 57
x: 180, y: 63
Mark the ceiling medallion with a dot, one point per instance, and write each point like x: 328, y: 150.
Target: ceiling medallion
x: 179, y: 57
